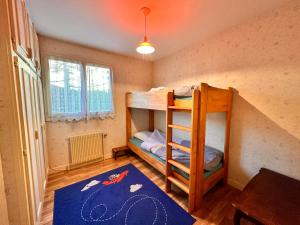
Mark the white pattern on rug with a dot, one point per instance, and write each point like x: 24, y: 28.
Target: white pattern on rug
x: 89, y: 185
x: 135, y: 187
x: 138, y: 198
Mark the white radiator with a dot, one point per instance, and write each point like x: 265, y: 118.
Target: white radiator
x: 86, y: 148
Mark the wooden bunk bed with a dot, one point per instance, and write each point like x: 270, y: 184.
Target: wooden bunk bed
x: 206, y: 100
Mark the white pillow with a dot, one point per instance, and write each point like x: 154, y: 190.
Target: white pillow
x: 143, y: 135
x: 155, y: 139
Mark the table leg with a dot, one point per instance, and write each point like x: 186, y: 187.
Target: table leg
x: 237, y: 217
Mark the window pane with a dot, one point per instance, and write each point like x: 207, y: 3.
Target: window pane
x: 99, y: 90
x: 65, y: 87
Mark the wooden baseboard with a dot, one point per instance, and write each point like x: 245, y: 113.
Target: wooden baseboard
x: 236, y: 184
x: 62, y: 168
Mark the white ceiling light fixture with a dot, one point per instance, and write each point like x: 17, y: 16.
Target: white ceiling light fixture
x: 145, y: 47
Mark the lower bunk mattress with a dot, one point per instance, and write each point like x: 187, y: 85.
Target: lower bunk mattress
x: 137, y: 142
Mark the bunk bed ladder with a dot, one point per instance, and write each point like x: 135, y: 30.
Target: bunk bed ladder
x: 187, y: 185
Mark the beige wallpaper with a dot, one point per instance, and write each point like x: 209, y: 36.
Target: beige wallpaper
x: 129, y: 74
x: 261, y: 60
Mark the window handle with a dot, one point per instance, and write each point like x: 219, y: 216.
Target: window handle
x: 36, y: 134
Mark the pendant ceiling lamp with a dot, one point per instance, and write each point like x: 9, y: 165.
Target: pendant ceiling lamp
x: 145, y: 47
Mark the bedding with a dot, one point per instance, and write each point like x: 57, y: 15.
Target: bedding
x: 185, y: 90
x: 156, y: 144
x: 143, y: 135
x: 159, y: 89
x: 212, y: 156
x: 183, y: 98
x: 137, y: 142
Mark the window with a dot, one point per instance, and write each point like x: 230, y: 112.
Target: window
x: 65, y: 87
x: 75, y: 91
x: 99, y: 93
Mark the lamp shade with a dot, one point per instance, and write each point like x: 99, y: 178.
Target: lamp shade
x: 145, y: 48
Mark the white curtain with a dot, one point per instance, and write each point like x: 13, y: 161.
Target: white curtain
x: 99, y: 92
x: 76, y: 92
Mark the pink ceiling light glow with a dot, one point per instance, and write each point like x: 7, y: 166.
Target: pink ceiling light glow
x: 145, y: 47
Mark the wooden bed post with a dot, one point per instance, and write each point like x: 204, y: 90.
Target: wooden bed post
x: 128, y: 120
x: 227, y: 134
x: 151, y: 120
x: 201, y: 146
x: 169, y: 120
x: 194, y: 151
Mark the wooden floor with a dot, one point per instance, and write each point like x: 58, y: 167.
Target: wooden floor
x: 216, y: 207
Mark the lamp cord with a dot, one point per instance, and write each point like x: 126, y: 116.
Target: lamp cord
x: 145, y: 31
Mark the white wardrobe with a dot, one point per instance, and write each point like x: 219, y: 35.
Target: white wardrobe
x: 25, y: 164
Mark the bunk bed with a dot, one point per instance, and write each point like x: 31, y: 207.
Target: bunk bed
x: 192, y: 179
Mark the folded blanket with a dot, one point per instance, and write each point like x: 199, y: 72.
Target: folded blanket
x: 212, y: 156
x: 185, y: 90
x: 178, y: 155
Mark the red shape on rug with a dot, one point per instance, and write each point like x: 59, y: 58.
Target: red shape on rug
x: 117, y: 179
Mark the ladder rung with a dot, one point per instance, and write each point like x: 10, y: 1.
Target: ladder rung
x: 180, y: 108
x: 180, y: 177
x: 179, y: 166
x: 179, y: 184
x: 181, y: 147
x: 180, y: 127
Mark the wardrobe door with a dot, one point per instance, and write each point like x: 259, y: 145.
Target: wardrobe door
x: 34, y: 46
x: 37, y: 51
x: 39, y: 162
x: 39, y: 131
x: 26, y: 148
x: 42, y: 123
x: 30, y: 138
x: 20, y: 28
x: 32, y: 41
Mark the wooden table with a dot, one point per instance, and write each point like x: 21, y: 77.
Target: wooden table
x: 269, y: 198
x: 117, y: 150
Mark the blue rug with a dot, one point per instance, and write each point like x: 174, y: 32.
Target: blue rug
x: 123, y: 196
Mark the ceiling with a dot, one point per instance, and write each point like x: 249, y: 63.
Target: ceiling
x: 117, y: 25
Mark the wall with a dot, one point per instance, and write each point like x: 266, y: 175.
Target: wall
x: 129, y: 74
x: 261, y: 60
